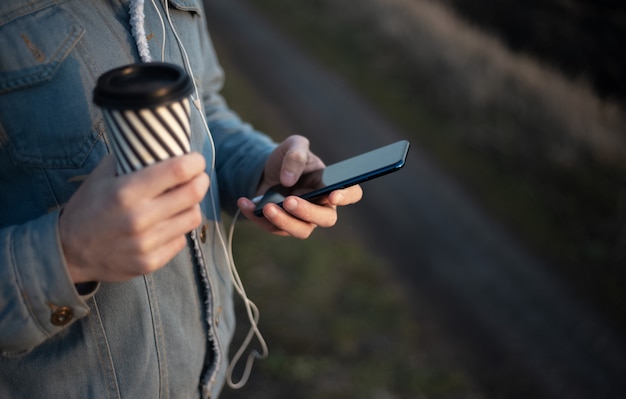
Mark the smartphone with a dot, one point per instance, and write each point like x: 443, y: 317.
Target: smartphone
x: 317, y: 184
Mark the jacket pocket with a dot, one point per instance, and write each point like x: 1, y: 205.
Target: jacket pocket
x: 186, y: 5
x: 45, y: 91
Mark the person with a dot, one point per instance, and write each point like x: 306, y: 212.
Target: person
x: 118, y: 286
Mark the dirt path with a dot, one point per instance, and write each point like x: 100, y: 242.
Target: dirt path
x: 519, y: 329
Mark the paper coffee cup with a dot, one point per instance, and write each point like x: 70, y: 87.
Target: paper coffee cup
x: 146, y: 107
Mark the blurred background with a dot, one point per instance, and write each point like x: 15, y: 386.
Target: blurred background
x: 492, y: 265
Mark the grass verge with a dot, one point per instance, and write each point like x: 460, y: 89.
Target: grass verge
x: 338, y: 324
x: 337, y: 321
x: 555, y: 193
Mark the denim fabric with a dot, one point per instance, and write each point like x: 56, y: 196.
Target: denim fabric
x: 159, y: 336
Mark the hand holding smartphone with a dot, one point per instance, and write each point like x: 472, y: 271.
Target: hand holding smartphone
x: 355, y: 170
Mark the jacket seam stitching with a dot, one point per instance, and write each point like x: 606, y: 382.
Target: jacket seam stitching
x: 108, y: 357
x: 158, y: 337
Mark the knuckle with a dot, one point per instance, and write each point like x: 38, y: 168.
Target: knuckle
x: 179, y: 243
x: 140, y: 246
x: 133, y: 225
x: 296, y: 157
x: 180, y: 169
x: 122, y: 196
x: 199, y: 188
x: 195, y: 218
x: 185, y: 167
x: 304, y: 234
x: 302, y: 139
x: 154, y: 260
x: 332, y: 220
x: 145, y: 265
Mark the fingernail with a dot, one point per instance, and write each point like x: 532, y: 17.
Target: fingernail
x: 290, y: 204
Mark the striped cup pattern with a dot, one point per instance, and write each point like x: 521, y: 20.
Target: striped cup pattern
x: 142, y: 137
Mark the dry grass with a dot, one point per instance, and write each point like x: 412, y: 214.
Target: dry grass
x: 338, y: 324
x: 543, y: 153
x: 565, y: 116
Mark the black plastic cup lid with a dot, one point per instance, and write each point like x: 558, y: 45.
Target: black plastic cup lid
x: 142, y: 85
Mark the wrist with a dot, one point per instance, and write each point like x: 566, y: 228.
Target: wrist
x: 75, y: 272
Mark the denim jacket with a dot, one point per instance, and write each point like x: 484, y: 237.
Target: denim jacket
x: 164, y: 335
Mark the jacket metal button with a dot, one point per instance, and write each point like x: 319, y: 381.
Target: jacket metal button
x: 61, y: 316
x: 203, y: 233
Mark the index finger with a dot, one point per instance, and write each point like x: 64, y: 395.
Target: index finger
x: 165, y: 175
x: 346, y: 196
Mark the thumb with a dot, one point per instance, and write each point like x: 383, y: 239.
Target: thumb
x: 292, y: 167
x: 296, y: 150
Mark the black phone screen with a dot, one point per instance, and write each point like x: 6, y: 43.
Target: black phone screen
x: 342, y: 174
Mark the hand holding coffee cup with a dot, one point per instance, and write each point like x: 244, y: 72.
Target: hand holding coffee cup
x: 146, y: 107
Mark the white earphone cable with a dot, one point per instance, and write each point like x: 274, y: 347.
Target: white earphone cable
x: 252, y: 311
